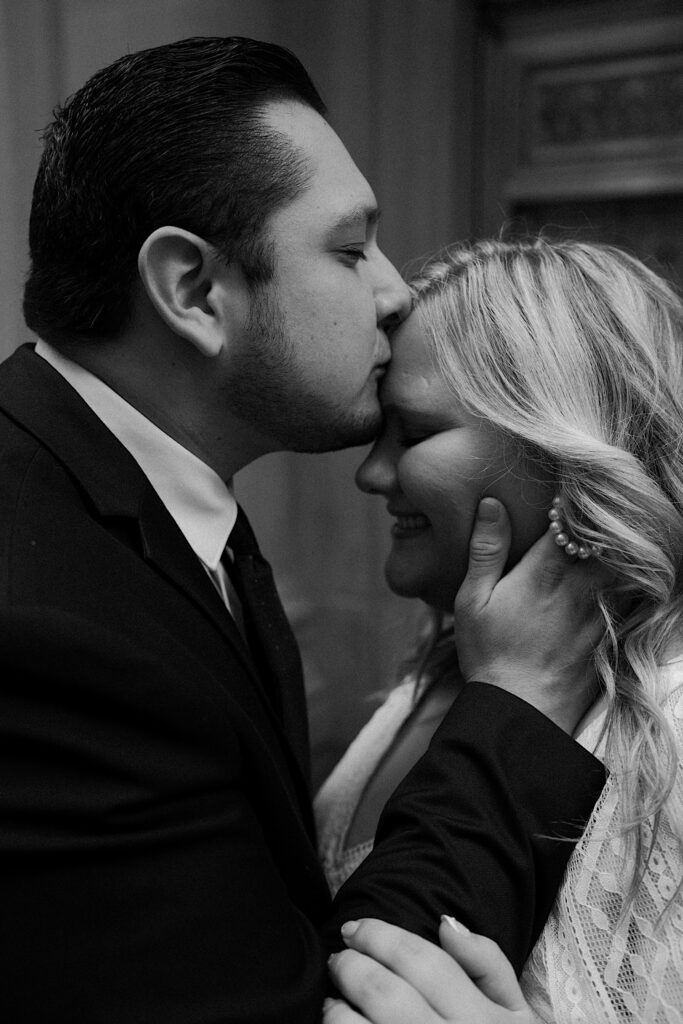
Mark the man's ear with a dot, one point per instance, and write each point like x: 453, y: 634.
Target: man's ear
x: 186, y: 283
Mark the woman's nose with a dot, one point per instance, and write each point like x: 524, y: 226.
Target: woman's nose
x: 377, y: 472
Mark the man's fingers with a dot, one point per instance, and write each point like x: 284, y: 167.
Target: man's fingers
x: 551, y: 569
x: 484, y: 962
x: 532, y: 631
x: 489, y: 548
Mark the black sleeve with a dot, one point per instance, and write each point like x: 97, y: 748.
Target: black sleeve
x: 481, y: 828
x: 137, y: 881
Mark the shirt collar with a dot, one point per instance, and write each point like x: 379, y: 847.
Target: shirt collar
x: 202, y: 505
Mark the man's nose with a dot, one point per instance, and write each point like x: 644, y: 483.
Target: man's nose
x: 393, y: 297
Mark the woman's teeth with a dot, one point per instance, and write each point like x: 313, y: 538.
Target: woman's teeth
x: 409, y: 524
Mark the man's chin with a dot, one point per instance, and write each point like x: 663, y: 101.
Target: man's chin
x: 344, y: 433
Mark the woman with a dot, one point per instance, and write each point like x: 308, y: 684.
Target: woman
x: 549, y: 376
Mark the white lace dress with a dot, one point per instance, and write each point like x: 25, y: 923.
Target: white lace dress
x: 588, y: 964
x: 339, y: 796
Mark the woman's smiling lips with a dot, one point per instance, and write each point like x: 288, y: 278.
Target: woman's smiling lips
x: 408, y: 525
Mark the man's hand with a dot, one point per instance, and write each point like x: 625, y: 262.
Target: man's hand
x: 391, y: 976
x: 533, y: 631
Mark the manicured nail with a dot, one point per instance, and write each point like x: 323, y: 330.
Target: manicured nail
x: 350, y: 928
x: 489, y: 510
x: 455, y: 925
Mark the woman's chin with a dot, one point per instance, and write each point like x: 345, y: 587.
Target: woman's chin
x: 437, y: 594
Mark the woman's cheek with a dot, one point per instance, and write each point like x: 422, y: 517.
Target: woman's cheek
x: 445, y: 474
x: 428, y: 484
x: 449, y: 502
x: 527, y: 500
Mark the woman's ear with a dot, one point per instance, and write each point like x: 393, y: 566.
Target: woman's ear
x: 186, y: 283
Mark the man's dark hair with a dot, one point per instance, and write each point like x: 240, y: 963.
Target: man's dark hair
x: 171, y: 135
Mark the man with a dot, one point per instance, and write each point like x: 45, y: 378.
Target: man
x: 207, y: 287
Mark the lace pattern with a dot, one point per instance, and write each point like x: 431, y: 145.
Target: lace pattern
x: 590, y: 964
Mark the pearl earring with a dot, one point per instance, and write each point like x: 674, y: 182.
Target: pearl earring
x: 570, y: 545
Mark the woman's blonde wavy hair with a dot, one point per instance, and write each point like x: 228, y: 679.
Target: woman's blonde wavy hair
x: 575, y: 351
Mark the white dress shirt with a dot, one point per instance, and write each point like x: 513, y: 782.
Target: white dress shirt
x: 202, y: 505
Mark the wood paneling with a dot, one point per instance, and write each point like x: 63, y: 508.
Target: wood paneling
x: 582, y: 102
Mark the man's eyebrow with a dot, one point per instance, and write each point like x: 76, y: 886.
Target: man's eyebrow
x: 364, y: 214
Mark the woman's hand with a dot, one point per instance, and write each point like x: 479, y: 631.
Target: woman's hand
x: 533, y: 630
x: 391, y: 976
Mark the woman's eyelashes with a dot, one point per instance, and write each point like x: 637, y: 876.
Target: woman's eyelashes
x: 409, y: 437
x: 402, y: 431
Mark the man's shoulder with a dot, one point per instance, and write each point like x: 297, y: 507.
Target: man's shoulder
x: 27, y: 469
x: 16, y: 443
x: 25, y: 383
x: 23, y: 461
x: 19, y: 366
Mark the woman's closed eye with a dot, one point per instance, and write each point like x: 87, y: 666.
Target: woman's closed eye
x: 409, y: 438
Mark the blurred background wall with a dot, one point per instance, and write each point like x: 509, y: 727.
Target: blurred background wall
x: 464, y: 115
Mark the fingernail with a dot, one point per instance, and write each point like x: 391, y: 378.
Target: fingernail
x: 489, y: 510
x: 350, y: 928
x: 455, y: 925
x: 332, y: 959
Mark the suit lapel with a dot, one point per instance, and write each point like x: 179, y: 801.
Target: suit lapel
x: 37, y: 397
x: 165, y: 548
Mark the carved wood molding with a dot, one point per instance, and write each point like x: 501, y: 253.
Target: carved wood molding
x: 631, y: 103
x: 583, y: 109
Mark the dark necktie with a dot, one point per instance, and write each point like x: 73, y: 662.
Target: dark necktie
x: 269, y: 635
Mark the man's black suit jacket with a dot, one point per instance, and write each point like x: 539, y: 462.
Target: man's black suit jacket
x: 157, y: 854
